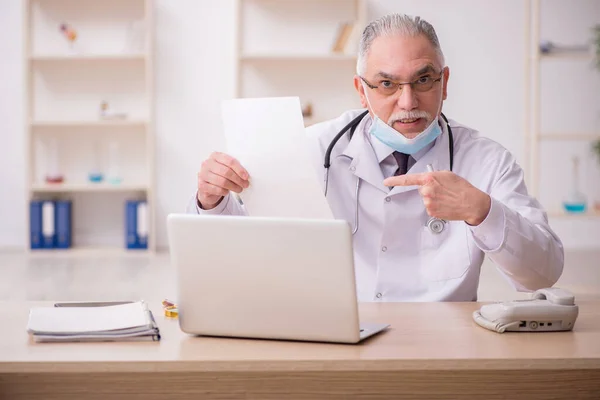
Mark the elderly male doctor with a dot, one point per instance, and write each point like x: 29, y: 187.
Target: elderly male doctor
x: 480, y: 201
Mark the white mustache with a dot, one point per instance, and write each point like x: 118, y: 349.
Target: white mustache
x: 408, y: 115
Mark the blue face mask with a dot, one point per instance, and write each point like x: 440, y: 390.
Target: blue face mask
x: 388, y: 135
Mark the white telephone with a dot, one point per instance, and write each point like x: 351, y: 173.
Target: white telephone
x: 551, y: 309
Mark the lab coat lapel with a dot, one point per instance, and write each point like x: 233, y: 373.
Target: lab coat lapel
x: 437, y: 156
x: 364, y: 163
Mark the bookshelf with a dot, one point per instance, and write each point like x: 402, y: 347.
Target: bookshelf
x: 297, y: 57
x: 561, y: 94
x: 110, y: 60
x: 286, y: 48
x: 562, y: 214
x: 588, y: 137
x: 573, y: 56
x: 84, y: 124
x: 86, y: 187
x: 73, y: 58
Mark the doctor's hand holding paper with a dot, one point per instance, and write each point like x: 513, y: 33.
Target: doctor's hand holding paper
x: 427, y: 197
x: 219, y: 174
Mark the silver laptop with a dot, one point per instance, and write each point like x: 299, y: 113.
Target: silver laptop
x: 268, y: 278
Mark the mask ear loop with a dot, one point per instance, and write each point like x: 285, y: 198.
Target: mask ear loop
x: 365, y: 87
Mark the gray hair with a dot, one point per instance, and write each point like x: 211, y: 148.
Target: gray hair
x: 393, y: 24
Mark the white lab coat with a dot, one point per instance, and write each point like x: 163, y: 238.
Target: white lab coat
x: 396, y: 257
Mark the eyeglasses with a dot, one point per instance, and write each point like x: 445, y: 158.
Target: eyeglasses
x: 388, y: 88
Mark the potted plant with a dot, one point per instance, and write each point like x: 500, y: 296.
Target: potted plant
x: 596, y: 147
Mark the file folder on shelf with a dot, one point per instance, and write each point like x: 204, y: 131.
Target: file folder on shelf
x: 63, y: 224
x: 50, y: 224
x: 136, y: 224
x: 48, y: 227
x: 35, y: 224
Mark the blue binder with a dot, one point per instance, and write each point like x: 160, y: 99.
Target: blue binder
x: 63, y: 224
x: 35, y: 224
x: 48, y: 225
x: 142, y: 225
x: 131, y: 239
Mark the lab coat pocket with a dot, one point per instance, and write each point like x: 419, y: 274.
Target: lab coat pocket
x: 445, y: 255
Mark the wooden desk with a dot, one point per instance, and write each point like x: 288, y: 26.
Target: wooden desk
x: 432, y: 351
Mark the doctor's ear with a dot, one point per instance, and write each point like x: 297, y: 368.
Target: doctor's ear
x: 445, y: 80
x: 361, y: 91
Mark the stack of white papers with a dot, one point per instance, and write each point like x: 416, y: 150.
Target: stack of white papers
x: 132, y: 321
x: 267, y: 136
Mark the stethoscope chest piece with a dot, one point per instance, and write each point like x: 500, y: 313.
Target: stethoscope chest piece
x: 436, y: 225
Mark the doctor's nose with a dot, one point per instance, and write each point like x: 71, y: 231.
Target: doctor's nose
x: 407, y: 99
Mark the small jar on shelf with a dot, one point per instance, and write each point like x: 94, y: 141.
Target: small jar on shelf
x: 53, y: 173
x: 114, y: 173
x: 95, y: 175
x: 575, y: 202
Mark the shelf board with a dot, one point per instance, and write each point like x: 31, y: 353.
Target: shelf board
x: 89, y: 252
x: 86, y: 57
x: 590, y: 213
x: 569, y: 136
x: 575, y: 55
x: 310, y: 121
x: 86, y: 187
x: 90, y: 123
x: 298, y: 57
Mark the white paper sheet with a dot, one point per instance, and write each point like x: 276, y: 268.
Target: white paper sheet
x: 73, y: 320
x: 267, y: 136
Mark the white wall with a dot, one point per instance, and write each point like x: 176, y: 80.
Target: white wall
x: 194, y: 72
x: 12, y: 142
x: 483, y: 43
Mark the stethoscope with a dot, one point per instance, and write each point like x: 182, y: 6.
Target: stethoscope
x: 435, y: 225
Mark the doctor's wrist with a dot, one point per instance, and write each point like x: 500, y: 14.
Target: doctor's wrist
x: 206, y: 205
x: 480, y: 208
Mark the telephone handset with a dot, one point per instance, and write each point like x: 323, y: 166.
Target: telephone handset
x: 550, y: 309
